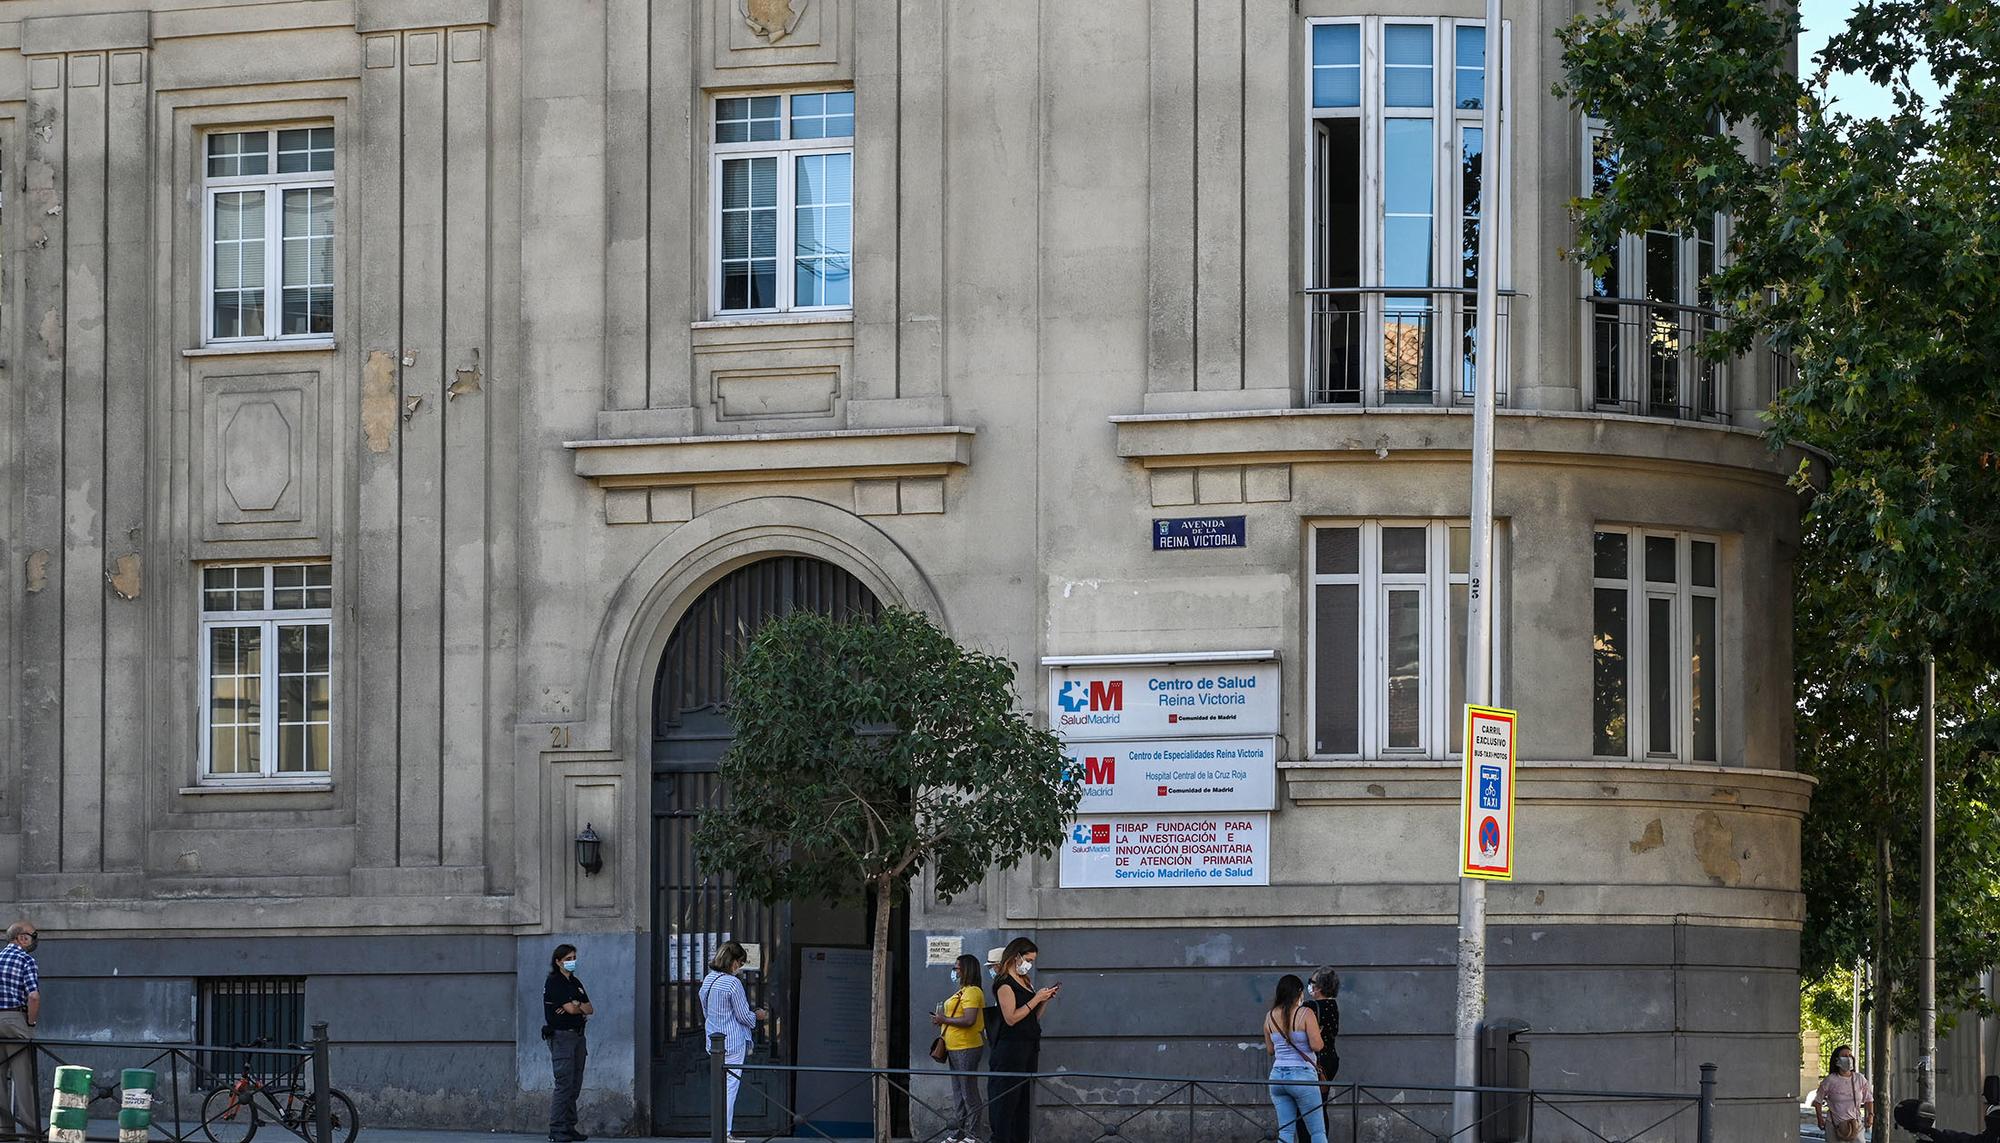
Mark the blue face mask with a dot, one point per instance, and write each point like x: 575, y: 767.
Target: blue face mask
x: 569, y: 965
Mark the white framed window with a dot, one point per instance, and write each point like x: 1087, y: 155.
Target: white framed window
x: 1650, y: 308
x: 268, y: 222
x: 1386, y: 624
x: 1656, y: 666
x: 1398, y: 156
x: 267, y: 672
x: 782, y: 205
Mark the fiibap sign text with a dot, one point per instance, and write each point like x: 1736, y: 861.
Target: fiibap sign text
x: 1167, y: 849
x: 1168, y: 774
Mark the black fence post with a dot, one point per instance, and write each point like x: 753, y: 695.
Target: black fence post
x: 1705, y: 1115
x: 718, y: 1089
x: 322, y: 1086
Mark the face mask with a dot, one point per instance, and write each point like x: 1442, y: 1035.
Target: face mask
x: 569, y: 965
x: 1027, y: 967
x: 1842, y: 1064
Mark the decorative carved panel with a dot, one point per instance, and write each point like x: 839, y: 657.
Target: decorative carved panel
x: 258, y: 457
x: 768, y: 33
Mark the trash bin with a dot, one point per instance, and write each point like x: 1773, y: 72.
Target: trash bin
x: 1503, y: 1062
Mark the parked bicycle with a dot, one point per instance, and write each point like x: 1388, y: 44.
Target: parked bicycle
x: 232, y: 1114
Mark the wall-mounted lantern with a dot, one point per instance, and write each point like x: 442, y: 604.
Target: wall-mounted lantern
x: 589, y: 850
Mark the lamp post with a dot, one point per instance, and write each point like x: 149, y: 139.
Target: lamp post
x: 1470, y: 994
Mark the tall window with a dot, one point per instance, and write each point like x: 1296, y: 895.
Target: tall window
x: 1398, y: 176
x: 267, y: 671
x: 1649, y: 309
x: 1388, y: 638
x: 1654, y: 655
x: 270, y: 234
x: 784, y: 202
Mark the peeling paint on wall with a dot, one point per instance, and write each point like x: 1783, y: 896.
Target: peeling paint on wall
x: 378, y: 400
x: 124, y: 575
x: 1653, y: 838
x: 465, y: 380
x: 38, y: 570
x: 1715, y: 846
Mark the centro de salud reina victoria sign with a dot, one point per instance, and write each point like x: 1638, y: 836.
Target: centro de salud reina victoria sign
x: 1178, y: 757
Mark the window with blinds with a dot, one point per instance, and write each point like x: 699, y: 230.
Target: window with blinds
x: 270, y: 224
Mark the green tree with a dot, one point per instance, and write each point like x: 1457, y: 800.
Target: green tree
x: 1865, y: 249
x: 867, y: 752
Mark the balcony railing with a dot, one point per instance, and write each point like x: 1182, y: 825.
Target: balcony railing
x: 1646, y: 359
x: 1383, y: 345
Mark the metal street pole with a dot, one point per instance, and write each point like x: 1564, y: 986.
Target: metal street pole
x: 1927, y: 957
x: 1471, y: 991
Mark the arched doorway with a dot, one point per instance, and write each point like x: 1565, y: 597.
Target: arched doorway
x: 693, y: 911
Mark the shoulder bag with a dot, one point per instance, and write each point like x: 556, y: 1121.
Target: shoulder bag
x: 1850, y: 1129
x: 939, y: 1052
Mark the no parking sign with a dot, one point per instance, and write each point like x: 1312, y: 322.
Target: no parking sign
x: 1486, y: 810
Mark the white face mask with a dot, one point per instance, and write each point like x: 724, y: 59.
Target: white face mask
x: 1027, y: 967
x: 1842, y: 1064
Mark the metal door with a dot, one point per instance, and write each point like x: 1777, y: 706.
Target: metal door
x: 694, y: 911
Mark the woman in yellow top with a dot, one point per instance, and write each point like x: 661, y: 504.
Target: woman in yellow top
x: 963, y: 1018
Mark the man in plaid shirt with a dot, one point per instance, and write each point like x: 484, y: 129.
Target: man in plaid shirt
x: 20, y: 1007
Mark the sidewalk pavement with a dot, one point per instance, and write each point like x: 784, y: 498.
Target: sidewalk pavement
x: 401, y: 1135
x: 276, y: 1134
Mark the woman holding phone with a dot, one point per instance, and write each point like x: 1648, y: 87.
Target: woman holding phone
x: 1017, y: 1042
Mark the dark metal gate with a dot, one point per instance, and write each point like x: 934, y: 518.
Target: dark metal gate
x: 693, y: 912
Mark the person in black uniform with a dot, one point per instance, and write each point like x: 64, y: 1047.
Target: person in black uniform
x: 1016, y: 1042
x: 566, y: 1008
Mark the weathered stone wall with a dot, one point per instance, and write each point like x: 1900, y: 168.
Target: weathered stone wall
x: 530, y: 444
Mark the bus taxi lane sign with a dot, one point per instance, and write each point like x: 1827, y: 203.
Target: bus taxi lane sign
x: 1486, y: 811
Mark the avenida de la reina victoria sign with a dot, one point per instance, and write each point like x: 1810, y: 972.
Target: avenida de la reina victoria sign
x: 1178, y: 758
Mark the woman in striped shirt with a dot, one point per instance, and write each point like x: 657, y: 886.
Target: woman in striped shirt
x: 726, y: 1012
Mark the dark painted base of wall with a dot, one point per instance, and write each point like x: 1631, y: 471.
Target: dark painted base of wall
x: 1612, y: 1008
x: 428, y: 1031
x: 440, y: 1031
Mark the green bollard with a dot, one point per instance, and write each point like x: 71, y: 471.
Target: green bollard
x: 70, y: 1108
x: 135, y: 1111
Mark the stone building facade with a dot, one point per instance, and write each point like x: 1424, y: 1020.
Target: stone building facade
x: 409, y: 400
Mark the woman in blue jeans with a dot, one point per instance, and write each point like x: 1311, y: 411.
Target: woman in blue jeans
x: 1291, y: 1035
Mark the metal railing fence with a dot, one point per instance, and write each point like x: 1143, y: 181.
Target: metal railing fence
x: 1646, y: 359
x: 1387, y: 346
x: 184, y: 1071
x: 1102, y: 1107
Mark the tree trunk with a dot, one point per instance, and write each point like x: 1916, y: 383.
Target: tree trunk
x: 878, y: 1033
x: 1882, y: 1049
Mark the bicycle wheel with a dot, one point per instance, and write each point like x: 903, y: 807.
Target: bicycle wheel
x: 346, y: 1120
x: 225, y: 1120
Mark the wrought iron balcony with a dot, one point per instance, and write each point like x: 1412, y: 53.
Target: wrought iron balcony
x: 1645, y: 358
x: 1395, y: 346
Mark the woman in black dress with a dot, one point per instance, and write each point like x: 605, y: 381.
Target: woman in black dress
x: 1016, y: 1041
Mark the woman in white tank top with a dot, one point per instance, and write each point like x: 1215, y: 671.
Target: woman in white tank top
x: 1291, y: 1035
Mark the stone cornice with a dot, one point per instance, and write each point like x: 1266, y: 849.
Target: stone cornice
x: 1176, y: 440
x: 642, y: 462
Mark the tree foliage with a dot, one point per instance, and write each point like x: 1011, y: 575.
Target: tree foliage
x: 1868, y: 250
x: 867, y: 752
